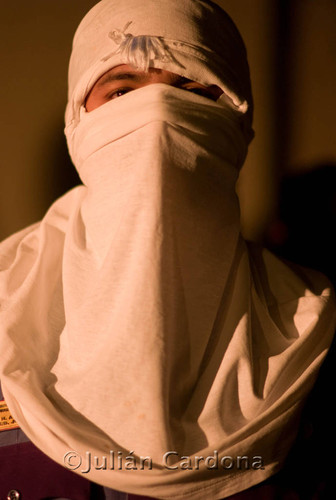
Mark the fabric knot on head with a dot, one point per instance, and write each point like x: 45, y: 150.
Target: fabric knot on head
x: 140, y: 51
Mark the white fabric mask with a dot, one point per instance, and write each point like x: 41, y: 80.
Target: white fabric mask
x: 157, y: 132
x: 160, y: 235
x: 136, y: 319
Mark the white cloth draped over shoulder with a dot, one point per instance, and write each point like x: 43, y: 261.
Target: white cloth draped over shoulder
x: 134, y: 318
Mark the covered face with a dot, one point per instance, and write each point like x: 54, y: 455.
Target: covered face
x: 193, y: 39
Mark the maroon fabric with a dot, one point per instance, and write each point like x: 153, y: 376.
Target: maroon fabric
x: 24, y: 468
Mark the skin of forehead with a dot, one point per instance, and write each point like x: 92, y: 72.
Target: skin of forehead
x: 151, y: 74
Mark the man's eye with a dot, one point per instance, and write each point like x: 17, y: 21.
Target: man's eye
x: 118, y: 93
x: 196, y: 90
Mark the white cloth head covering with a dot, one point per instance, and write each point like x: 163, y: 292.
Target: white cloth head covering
x: 193, y: 38
x: 134, y: 318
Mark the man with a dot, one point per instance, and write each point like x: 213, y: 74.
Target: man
x: 144, y: 344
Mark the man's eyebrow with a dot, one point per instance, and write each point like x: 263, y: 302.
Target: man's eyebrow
x: 136, y: 77
x: 112, y: 77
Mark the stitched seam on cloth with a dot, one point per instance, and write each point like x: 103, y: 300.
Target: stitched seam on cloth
x: 281, y: 455
x: 221, y: 482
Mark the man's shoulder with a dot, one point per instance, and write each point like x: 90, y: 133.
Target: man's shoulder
x: 29, y: 238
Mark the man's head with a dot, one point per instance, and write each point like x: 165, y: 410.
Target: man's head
x: 193, y: 39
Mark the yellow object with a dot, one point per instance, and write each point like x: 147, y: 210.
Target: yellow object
x: 7, y: 422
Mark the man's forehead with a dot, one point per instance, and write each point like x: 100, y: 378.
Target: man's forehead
x: 127, y: 72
